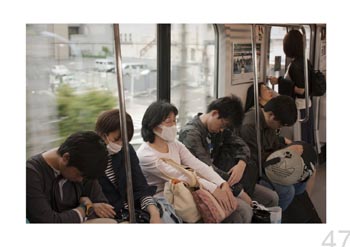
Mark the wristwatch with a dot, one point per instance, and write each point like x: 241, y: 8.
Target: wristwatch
x: 88, y: 209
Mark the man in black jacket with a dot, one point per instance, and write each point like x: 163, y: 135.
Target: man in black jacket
x: 209, y: 139
x: 279, y: 111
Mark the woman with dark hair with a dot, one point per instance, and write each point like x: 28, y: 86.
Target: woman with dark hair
x: 265, y: 94
x: 159, y: 133
x: 113, y: 182
x: 293, y: 83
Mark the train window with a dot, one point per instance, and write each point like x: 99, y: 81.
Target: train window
x: 192, y: 68
x: 71, y: 78
x: 139, y: 65
x: 65, y: 90
x: 277, y: 58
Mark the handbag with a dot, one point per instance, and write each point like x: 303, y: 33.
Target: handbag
x: 209, y: 208
x: 262, y: 214
x: 178, y: 193
x: 192, y: 201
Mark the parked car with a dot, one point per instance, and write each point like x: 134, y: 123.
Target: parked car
x: 105, y: 64
x: 133, y: 69
x: 59, y: 70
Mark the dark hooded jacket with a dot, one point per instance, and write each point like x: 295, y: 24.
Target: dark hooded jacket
x: 223, y: 151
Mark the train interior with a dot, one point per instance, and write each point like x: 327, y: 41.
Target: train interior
x: 71, y: 75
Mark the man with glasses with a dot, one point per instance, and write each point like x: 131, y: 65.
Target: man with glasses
x: 209, y: 138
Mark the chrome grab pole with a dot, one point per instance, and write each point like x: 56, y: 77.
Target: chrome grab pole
x: 122, y: 115
x: 256, y: 97
x: 306, y: 79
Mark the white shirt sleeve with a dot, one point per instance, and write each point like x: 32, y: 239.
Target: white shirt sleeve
x: 166, y: 172
x: 209, y: 178
x: 157, y: 172
x: 80, y: 216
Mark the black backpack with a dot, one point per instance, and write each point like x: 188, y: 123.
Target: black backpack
x: 317, y: 81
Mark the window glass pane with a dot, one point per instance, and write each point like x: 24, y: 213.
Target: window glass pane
x: 192, y: 69
x: 71, y: 78
x: 67, y: 81
x: 276, y: 51
x: 139, y: 63
x: 308, y: 37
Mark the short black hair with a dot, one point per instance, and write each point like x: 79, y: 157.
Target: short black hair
x: 109, y: 121
x: 87, y: 152
x: 250, y: 96
x: 284, y: 109
x: 155, y: 114
x: 230, y: 108
x: 293, y: 44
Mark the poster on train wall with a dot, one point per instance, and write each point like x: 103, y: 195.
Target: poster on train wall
x: 242, y: 62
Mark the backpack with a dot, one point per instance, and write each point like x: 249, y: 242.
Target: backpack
x: 317, y: 81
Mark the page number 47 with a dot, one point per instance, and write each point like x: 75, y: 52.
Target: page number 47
x: 330, y: 239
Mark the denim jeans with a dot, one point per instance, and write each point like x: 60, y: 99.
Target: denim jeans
x: 286, y: 193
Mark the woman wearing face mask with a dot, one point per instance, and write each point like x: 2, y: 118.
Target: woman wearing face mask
x: 159, y: 133
x: 113, y: 182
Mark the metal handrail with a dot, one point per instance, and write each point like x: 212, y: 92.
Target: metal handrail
x: 256, y: 98
x: 306, y: 79
x: 256, y: 86
x: 123, y: 127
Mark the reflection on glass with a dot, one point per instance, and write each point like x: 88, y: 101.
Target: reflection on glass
x: 277, y: 58
x: 192, y: 69
x: 71, y: 79
x: 139, y: 65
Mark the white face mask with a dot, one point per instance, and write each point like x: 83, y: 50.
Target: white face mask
x: 113, y: 148
x: 168, y: 133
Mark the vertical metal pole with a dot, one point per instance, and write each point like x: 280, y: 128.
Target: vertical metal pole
x: 256, y: 98
x: 122, y: 114
x: 163, y: 61
x: 306, y: 79
x: 266, y: 49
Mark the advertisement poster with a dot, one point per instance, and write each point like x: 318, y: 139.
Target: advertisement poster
x: 242, y: 64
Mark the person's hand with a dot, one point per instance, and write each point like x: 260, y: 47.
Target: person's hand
x: 103, y: 210
x: 287, y: 141
x: 299, y: 90
x: 297, y: 148
x: 154, y: 214
x: 233, y: 201
x: 225, y: 197
x: 236, y: 172
x: 273, y: 80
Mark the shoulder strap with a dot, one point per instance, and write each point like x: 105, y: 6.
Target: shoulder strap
x: 190, y: 174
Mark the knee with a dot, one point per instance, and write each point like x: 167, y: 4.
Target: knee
x: 274, y: 199
x: 245, y: 211
x: 286, y: 196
